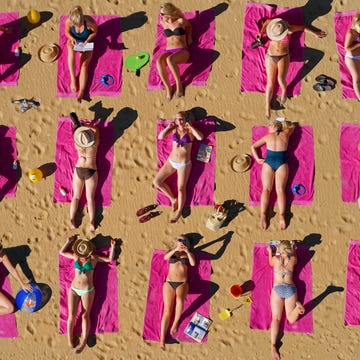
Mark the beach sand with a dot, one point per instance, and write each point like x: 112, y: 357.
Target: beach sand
x: 31, y: 218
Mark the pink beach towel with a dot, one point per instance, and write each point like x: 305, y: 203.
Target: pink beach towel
x: 106, y: 59
x: 197, y: 300
x: 201, y: 184
x: 262, y: 276
x: 65, y: 159
x: 352, y: 299
x: 253, y: 74
x: 7, y: 322
x: 350, y: 162
x: 9, y: 63
x: 104, y: 313
x: 196, y: 71
x: 300, y: 157
x: 342, y: 22
x: 8, y: 176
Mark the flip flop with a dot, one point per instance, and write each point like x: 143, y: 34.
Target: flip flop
x: 149, y: 216
x: 322, y: 87
x: 321, y: 78
x: 146, y: 209
x: 137, y: 61
x: 325, y: 80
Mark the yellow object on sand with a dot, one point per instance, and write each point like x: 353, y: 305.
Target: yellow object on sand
x: 226, y: 313
x: 33, y: 16
x: 35, y: 175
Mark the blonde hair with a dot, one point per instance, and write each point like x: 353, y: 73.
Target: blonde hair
x: 76, y: 15
x: 285, y: 247
x: 282, y: 125
x: 356, y: 20
x: 171, y: 10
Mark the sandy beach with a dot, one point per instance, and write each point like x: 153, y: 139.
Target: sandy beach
x: 32, y: 218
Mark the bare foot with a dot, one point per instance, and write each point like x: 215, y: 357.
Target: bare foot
x: 267, y: 114
x: 162, y: 346
x: 72, y: 224
x: 92, y: 226
x: 173, y: 329
x: 80, y: 96
x: 283, y: 99
x: 71, y: 343
x: 175, y: 218
x: 81, y: 347
x: 175, y: 205
x: 358, y: 200
x: 169, y: 94
x: 263, y: 222
x: 275, y: 353
x: 73, y: 85
x: 179, y: 91
x: 300, y: 308
x: 282, y: 222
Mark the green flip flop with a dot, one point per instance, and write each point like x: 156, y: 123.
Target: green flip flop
x: 137, y: 61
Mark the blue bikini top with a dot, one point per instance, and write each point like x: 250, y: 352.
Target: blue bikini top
x: 176, y: 32
x: 83, y: 268
x: 181, y: 141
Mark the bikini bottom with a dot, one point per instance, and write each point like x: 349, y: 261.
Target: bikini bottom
x: 175, y: 284
x: 353, y: 57
x: 179, y: 165
x: 173, y: 51
x: 81, y: 292
x: 285, y: 290
x: 84, y: 173
x: 276, y: 58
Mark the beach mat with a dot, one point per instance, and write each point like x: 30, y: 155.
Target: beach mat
x: 253, y: 73
x: 342, y: 22
x: 8, y: 175
x: 197, y: 70
x: 263, y: 277
x: 201, y: 183
x: 350, y: 162
x: 65, y: 159
x: 104, y: 313
x: 197, y: 300
x: 106, y: 59
x: 352, y: 297
x: 300, y: 157
x: 8, y: 327
x: 9, y: 63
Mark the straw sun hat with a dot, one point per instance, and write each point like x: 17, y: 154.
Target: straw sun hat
x: 84, y: 137
x: 277, y: 29
x: 48, y: 52
x: 241, y: 163
x: 83, y: 248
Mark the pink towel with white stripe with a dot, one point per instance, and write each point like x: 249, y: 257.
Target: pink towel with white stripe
x: 106, y: 59
x: 9, y: 63
x: 197, y: 70
x: 104, y: 312
x: 300, y: 157
x: 342, y: 23
x: 253, y: 74
x: 197, y: 300
x: 263, y: 278
x: 201, y: 183
x: 352, y: 298
x: 8, y: 175
x: 350, y: 162
x: 7, y: 322
x: 65, y: 160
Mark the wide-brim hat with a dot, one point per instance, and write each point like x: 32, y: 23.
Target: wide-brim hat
x: 241, y: 163
x: 84, y: 137
x: 83, y: 248
x: 277, y: 29
x: 48, y: 52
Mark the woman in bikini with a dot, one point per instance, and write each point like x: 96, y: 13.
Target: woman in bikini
x: 178, y: 34
x: 79, y: 28
x: 274, y: 167
x: 82, y: 287
x: 7, y: 306
x: 179, y: 160
x: 86, y: 140
x: 277, y: 57
x: 352, y: 56
x: 176, y: 286
x: 284, y: 293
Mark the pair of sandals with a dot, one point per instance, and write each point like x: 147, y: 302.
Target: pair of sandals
x: 145, y: 210
x: 324, y: 83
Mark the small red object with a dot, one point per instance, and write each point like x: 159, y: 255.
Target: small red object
x: 236, y: 291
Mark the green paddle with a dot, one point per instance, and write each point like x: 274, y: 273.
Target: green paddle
x: 137, y: 61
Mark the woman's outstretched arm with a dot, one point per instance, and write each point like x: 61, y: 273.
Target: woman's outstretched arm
x: 254, y: 148
x: 65, y: 250
x: 14, y: 273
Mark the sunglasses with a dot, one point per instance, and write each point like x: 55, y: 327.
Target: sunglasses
x: 183, y: 241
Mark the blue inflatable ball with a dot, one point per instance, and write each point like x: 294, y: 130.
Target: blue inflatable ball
x: 29, y: 301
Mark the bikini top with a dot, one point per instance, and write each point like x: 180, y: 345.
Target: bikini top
x: 80, y: 36
x: 175, y: 259
x: 284, y: 272
x: 176, y: 32
x: 185, y: 139
x: 83, y: 268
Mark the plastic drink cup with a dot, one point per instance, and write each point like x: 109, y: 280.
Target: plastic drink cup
x: 236, y: 291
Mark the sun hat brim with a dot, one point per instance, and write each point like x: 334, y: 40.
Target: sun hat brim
x: 78, y: 131
x: 271, y: 26
x: 89, y: 248
x: 241, y: 163
x: 48, y: 52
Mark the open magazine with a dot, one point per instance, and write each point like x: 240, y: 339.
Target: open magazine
x: 198, y: 327
x: 204, y: 153
x: 81, y: 47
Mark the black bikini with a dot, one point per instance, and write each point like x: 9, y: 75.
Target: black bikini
x: 84, y: 173
x: 176, y: 32
x: 173, y: 260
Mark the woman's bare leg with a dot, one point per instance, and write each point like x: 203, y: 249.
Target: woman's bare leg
x: 73, y: 304
x: 161, y: 67
x: 87, y: 301
x: 90, y: 188
x: 85, y: 58
x: 182, y: 180
x: 71, y: 65
x: 172, y: 61
x: 267, y: 179
x: 277, y: 306
x: 354, y: 68
x: 281, y: 178
x: 293, y: 309
x: 78, y: 186
x: 283, y: 66
x: 181, y: 292
x: 271, y: 70
x: 6, y: 306
x: 159, y: 181
x: 169, y: 297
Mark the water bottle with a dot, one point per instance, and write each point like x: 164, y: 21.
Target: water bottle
x: 17, y: 51
x: 62, y: 191
x: 15, y: 164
